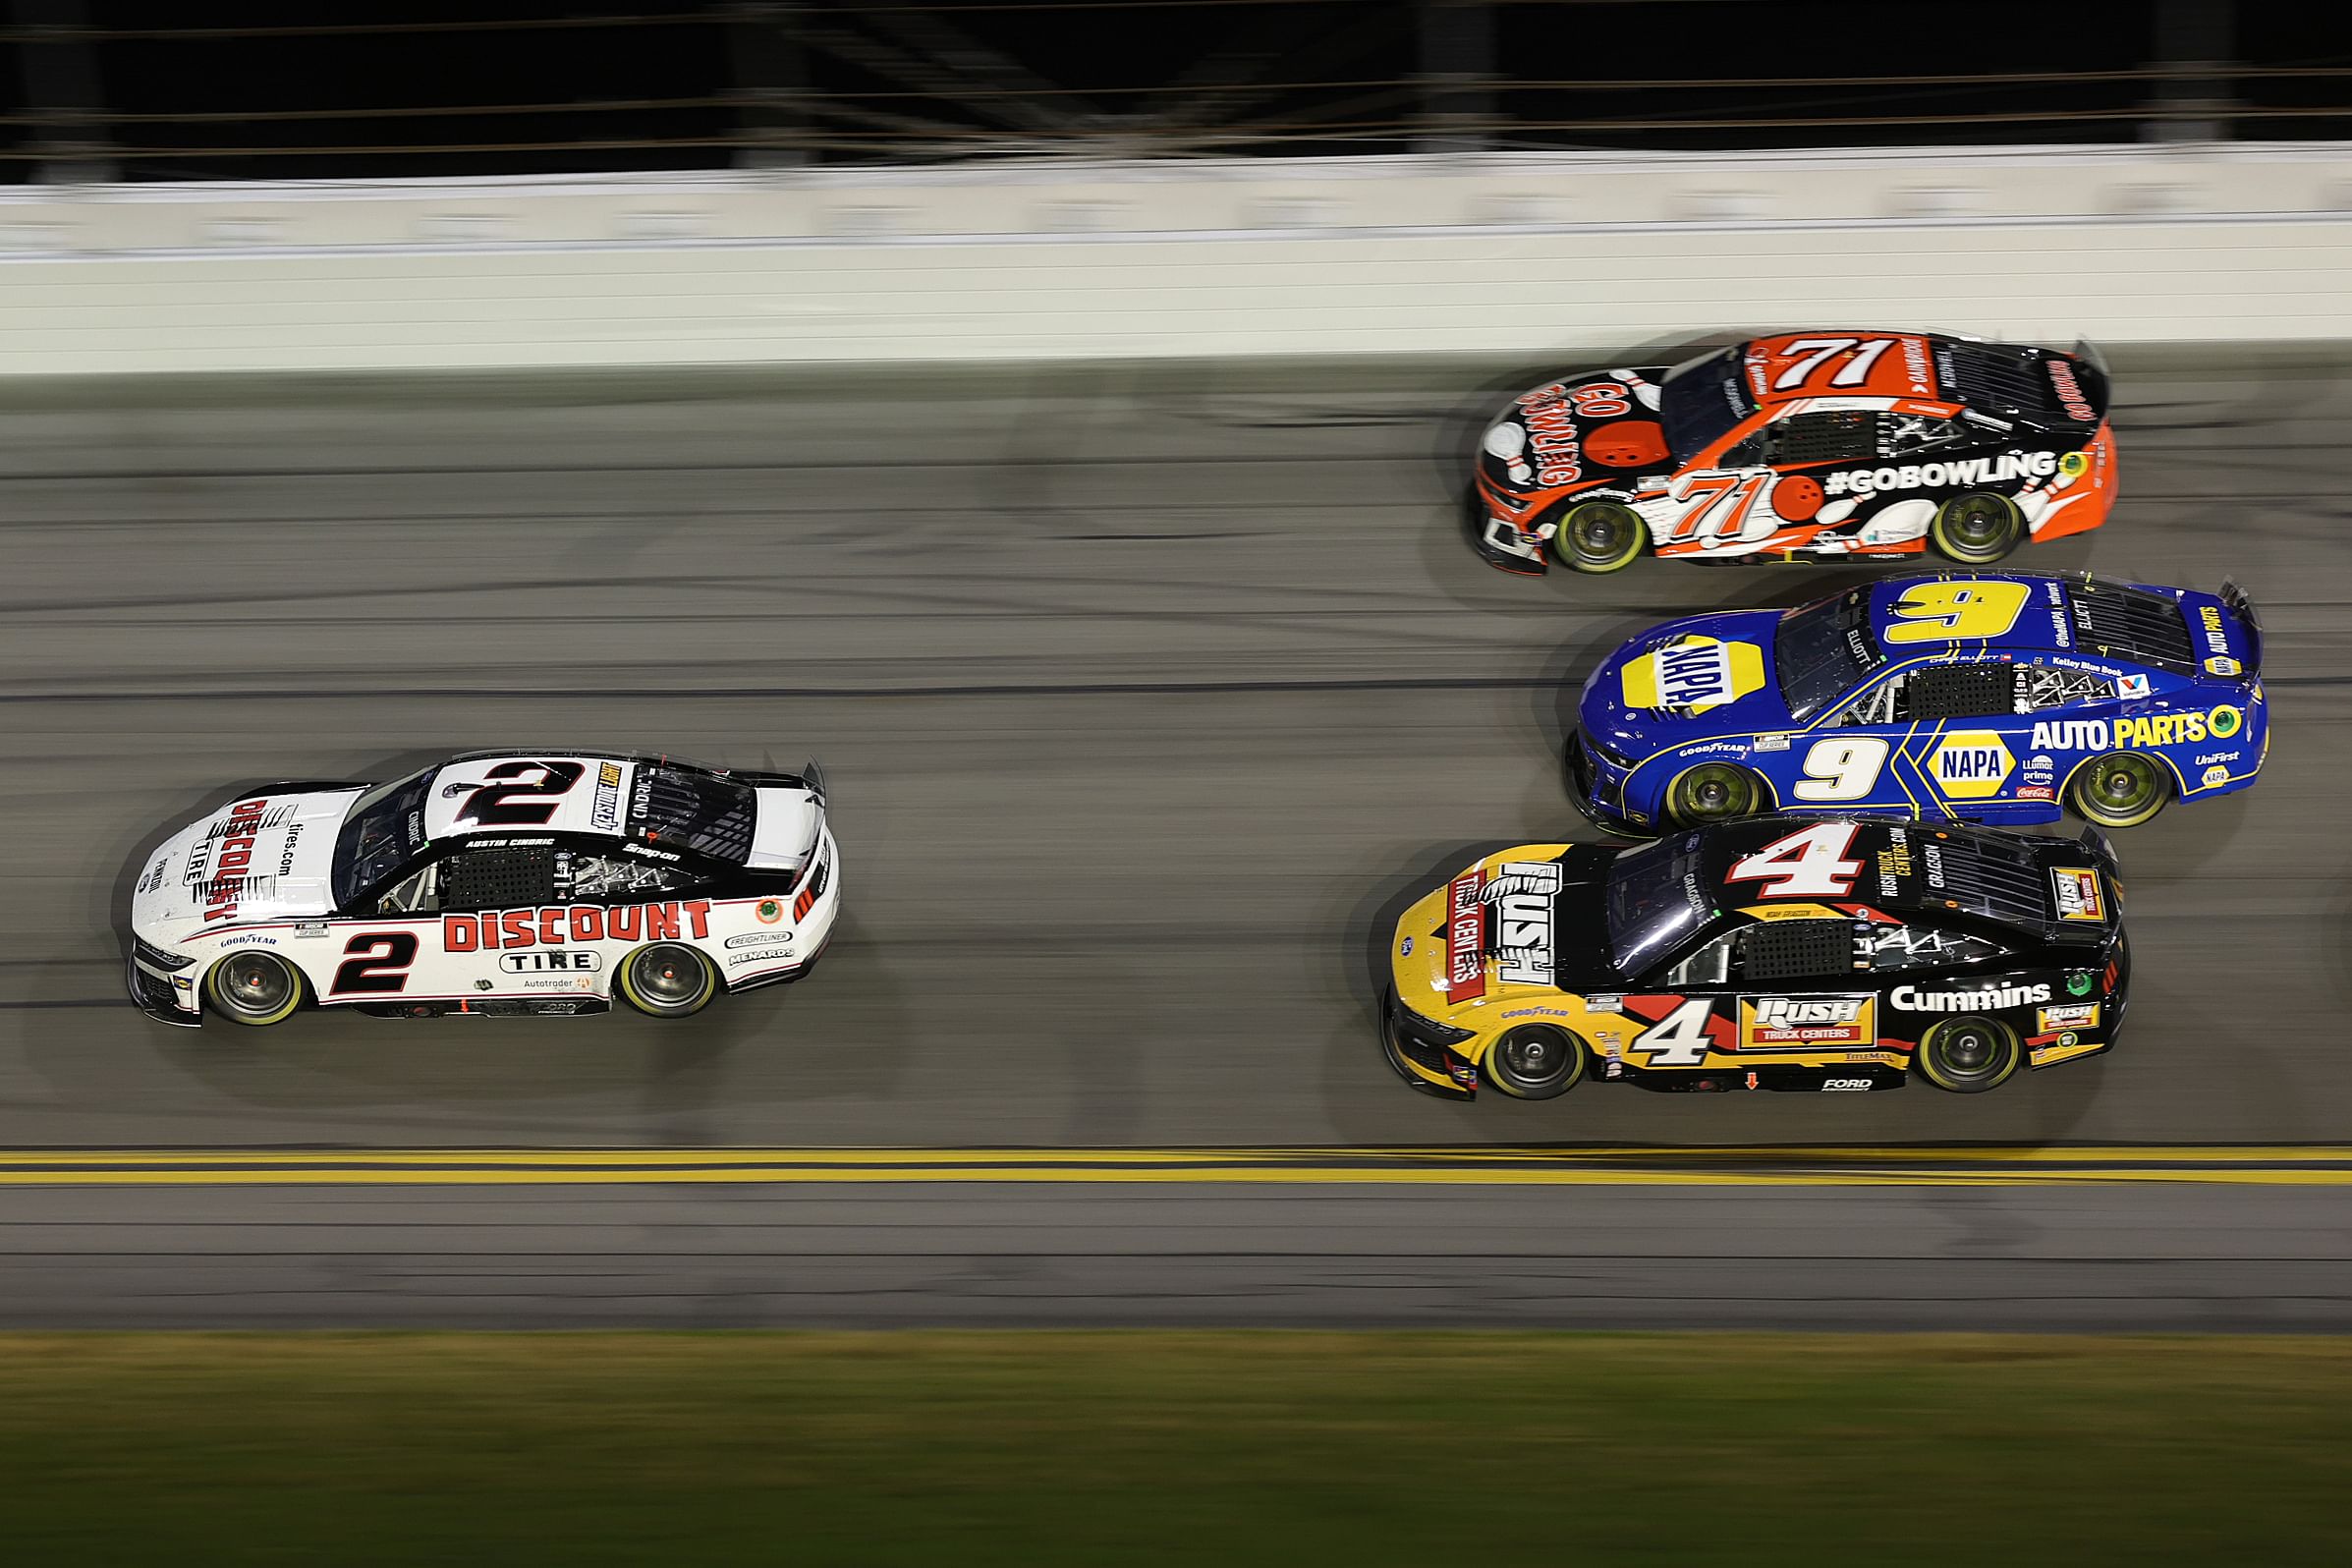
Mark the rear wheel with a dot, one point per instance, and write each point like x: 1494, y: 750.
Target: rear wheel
x: 1969, y: 1055
x: 254, y: 986
x: 2121, y: 789
x: 1536, y: 1061
x: 1714, y: 792
x: 667, y: 979
x: 1977, y: 529
x: 1600, y: 537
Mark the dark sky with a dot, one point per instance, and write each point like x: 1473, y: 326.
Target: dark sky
x: 884, y: 79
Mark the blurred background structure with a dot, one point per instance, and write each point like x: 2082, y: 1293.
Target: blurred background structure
x: 139, y: 90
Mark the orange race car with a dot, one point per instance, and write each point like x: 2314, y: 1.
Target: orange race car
x: 1807, y: 446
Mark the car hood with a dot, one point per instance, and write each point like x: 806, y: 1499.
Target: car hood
x: 1686, y: 679
x: 1477, y: 940
x: 1547, y: 439
x: 261, y: 857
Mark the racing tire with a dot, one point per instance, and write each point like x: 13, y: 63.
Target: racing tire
x: 255, y: 986
x: 1714, y: 792
x: 1600, y: 537
x: 1969, y: 1055
x: 667, y: 979
x: 2121, y: 789
x: 1536, y: 1061
x: 1977, y: 529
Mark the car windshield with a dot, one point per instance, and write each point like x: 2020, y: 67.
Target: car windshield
x: 1824, y: 650
x: 384, y: 828
x: 1655, y: 900
x: 1702, y: 400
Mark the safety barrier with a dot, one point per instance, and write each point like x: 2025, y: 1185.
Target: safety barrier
x: 1494, y: 254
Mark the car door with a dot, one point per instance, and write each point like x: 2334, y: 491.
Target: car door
x: 1791, y: 980
x: 1763, y: 995
x: 443, y: 931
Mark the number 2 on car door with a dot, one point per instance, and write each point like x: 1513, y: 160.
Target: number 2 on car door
x: 1842, y: 767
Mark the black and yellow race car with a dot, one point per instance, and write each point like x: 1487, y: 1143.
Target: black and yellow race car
x: 1775, y: 952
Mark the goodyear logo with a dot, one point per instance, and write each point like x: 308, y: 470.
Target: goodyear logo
x: 1695, y: 673
x: 1970, y: 764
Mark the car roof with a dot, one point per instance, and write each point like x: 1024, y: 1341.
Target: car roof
x: 2125, y: 623
x: 601, y: 795
x: 2019, y: 381
x: 1908, y: 868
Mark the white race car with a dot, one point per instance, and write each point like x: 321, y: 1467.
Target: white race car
x: 500, y: 883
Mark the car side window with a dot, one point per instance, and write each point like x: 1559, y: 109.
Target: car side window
x: 1920, y: 947
x: 502, y: 876
x: 1772, y: 953
x: 618, y: 878
x: 1986, y: 690
x: 2041, y: 687
x: 1712, y: 965
x: 1901, y: 434
x: 420, y: 894
x: 1838, y: 435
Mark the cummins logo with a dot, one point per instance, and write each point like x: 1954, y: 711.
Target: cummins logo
x: 1522, y: 893
x: 1957, y: 473
x: 1993, y: 999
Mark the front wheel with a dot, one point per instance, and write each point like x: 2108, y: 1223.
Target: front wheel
x: 254, y: 986
x: 667, y: 979
x: 1977, y: 530
x: 2121, y: 789
x: 1536, y: 1062
x: 1714, y: 792
x: 1969, y: 1055
x: 1600, y: 537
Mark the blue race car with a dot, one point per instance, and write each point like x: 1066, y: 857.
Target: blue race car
x: 1971, y: 696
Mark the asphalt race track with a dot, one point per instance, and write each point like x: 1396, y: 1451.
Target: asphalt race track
x: 1146, y: 697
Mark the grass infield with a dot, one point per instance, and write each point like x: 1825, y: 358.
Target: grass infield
x: 1112, y: 1448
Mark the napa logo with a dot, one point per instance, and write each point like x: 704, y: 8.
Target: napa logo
x: 1970, y: 764
x: 1694, y: 674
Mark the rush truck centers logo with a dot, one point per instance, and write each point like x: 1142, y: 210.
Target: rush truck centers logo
x: 1522, y: 893
x: 1464, y: 932
x: 1806, y: 1022
x: 2077, y: 889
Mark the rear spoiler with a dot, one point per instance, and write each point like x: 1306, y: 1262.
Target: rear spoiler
x: 2088, y: 351
x: 2233, y: 599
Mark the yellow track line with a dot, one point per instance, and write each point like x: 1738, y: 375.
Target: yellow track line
x: 1300, y: 1167
x: 1321, y: 1157
x: 327, y: 1175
